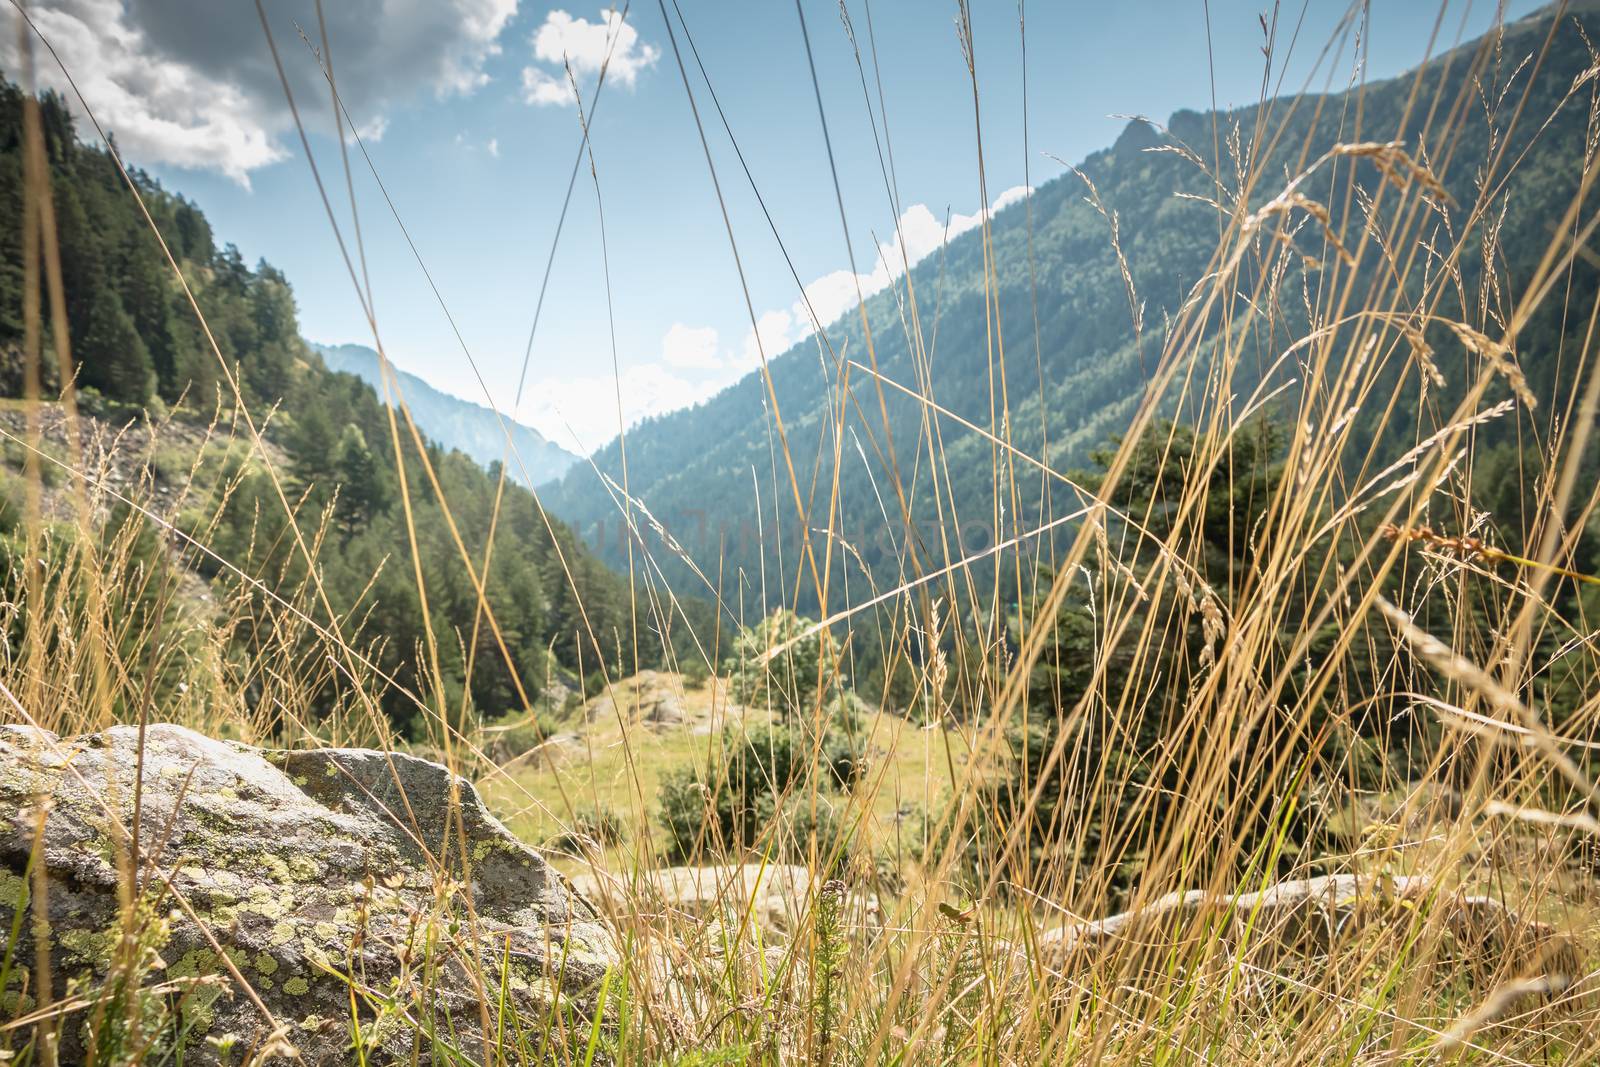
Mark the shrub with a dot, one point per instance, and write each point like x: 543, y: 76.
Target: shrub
x: 695, y: 672
x: 92, y: 401
x: 510, y: 738
x: 16, y: 458
x: 845, y: 755
x: 795, y: 680
x: 170, y: 464
x: 736, y: 806
x: 590, y: 825
x: 821, y: 834
x: 728, y: 808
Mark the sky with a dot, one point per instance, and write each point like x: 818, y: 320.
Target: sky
x: 467, y: 129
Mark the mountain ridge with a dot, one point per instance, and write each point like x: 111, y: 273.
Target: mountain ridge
x: 456, y: 423
x: 693, y: 470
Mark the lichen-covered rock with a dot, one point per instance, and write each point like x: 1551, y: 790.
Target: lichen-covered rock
x: 314, y: 872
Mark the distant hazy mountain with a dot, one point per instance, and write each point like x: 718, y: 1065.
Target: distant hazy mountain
x: 457, y: 423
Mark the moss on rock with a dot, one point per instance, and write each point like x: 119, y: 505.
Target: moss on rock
x: 297, y: 866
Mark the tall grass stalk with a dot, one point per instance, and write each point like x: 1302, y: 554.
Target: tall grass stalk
x: 998, y: 960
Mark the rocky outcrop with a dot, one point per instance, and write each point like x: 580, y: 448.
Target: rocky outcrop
x: 656, y: 700
x: 272, y: 884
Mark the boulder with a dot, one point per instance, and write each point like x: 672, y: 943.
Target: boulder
x: 776, y: 896
x: 665, y: 710
x: 602, y: 712
x: 774, y: 893
x: 555, y: 696
x: 650, y: 697
x: 270, y: 882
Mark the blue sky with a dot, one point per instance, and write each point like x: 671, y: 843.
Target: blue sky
x: 471, y: 128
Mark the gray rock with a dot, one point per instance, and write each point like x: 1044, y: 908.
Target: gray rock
x: 603, y: 711
x: 776, y: 896
x: 667, y: 710
x: 555, y: 695
x: 305, y: 868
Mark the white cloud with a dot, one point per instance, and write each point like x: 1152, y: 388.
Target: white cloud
x: 775, y: 329
x: 372, y: 131
x: 545, y: 90
x: 1014, y: 195
x: 691, y: 368
x: 562, y: 40
x: 494, y: 147
x: 581, y: 413
x: 193, y: 85
x: 833, y: 294
x: 692, y: 347
x: 160, y: 110
x: 919, y: 235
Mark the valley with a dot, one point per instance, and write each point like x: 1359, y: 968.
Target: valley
x: 1159, y: 624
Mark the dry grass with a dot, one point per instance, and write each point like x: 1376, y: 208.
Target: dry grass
x: 953, y: 968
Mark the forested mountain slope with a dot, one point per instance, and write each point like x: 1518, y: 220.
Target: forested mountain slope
x: 1077, y: 377
x: 139, y: 353
x: 459, y: 424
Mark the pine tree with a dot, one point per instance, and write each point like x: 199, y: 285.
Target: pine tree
x: 315, y: 448
x: 109, y: 352
x: 356, y: 469
x: 143, y: 290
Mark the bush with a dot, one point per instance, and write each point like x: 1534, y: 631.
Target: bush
x: 845, y: 756
x: 510, y: 738
x: 92, y: 401
x: 170, y: 464
x: 590, y: 826
x: 16, y: 457
x: 728, y: 809
x: 794, y: 681
x: 820, y: 835
x: 736, y: 806
x: 844, y: 742
x: 695, y: 672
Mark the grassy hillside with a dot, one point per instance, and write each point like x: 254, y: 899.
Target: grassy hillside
x: 582, y: 753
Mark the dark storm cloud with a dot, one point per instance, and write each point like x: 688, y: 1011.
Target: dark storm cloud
x: 194, y: 84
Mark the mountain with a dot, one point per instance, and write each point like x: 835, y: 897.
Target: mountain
x: 459, y: 424
x: 1042, y: 320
